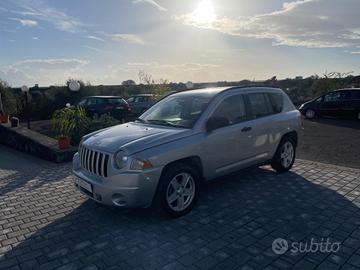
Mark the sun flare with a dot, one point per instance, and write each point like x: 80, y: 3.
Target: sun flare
x: 204, y: 13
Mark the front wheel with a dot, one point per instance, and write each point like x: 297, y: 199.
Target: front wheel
x: 285, y: 155
x: 178, y: 189
x: 310, y: 114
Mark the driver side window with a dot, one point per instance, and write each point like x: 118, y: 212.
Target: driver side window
x: 231, y: 111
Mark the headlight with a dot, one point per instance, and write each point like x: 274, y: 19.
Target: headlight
x: 120, y: 159
x: 139, y: 164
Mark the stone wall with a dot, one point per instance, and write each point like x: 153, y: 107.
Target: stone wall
x: 34, y: 143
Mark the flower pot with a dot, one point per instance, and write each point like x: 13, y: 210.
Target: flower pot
x: 64, y: 143
x: 4, y: 118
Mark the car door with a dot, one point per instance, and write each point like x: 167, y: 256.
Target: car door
x: 331, y: 105
x: 137, y: 105
x: 264, y: 136
x: 351, y: 103
x: 227, y: 147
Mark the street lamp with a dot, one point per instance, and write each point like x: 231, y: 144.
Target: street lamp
x: 74, y: 86
x: 25, y: 90
x: 189, y: 85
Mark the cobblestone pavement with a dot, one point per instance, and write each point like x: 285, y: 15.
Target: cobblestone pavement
x: 46, y: 224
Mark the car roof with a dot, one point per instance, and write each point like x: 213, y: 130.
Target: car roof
x: 104, y: 97
x: 142, y: 95
x: 213, y: 91
x: 347, y: 89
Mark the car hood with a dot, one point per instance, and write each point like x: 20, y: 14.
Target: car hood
x: 307, y: 103
x: 133, y: 137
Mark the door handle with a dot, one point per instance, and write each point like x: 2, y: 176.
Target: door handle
x: 246, y: 129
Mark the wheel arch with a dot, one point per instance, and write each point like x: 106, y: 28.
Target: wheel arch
x: 292, y: 135
x: 193, y: 161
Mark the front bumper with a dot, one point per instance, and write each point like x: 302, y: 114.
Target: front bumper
x: 130, y: 189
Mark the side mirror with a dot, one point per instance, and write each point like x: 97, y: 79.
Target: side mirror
x: 216, y: 122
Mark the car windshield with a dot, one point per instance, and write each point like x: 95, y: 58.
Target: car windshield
x: 176, y: 110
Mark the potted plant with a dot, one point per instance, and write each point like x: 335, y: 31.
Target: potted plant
x: 4, y: 118
x: 66, y: 123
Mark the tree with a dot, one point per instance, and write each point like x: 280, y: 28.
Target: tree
x: 128, y: 83
x: 157, y: 87
x: 9, y: 102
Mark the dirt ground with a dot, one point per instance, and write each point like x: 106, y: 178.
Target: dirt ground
x: 334, y: 141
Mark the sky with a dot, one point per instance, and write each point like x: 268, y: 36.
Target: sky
x: 108, y: 41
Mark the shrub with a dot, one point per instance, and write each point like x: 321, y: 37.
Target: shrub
x: 9, y: 101
x: 101, y: 122
x: 70, y: 123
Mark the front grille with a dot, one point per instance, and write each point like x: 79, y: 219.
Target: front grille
x: 94, y: 161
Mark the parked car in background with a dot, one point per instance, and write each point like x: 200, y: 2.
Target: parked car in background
x: 339, y: 103
x: 140, y: 103
x: 115, y: 106
x: 184, y: 139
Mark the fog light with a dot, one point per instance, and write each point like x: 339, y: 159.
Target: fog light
x: 118, y: 199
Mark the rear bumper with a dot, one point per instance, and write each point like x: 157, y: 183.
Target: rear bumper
x: 125, y: 190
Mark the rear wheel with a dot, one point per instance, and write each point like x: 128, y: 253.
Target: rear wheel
x: 178, y: 189
x: 310, y: 114
x: 285, y: 155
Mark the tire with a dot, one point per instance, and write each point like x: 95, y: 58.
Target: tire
x: 178, y: 202
x: 358, y: 116
x: 284, y: 157
x: 310, y: 114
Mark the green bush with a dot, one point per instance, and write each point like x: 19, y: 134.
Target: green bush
x: 101, y: 122
x: 70, y: 123
x: 10, y: 104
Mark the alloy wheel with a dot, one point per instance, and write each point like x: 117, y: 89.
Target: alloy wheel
x: 287, y: 154
x: 180, y: 192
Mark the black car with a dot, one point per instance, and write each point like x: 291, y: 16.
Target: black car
x: 140, y: 103
x: 339, y: 103
x: 112, y: 105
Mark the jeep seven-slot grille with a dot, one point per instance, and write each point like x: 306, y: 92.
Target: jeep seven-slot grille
x: 94, y: 161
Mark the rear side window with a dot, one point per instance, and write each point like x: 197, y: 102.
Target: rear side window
x: 139, y: 99
x: 232, y: 109
x: 335, y: 96
x: 277, y: 102
x: 116, y: 101
x: 260, y: 105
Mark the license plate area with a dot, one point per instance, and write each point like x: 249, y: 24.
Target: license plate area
x: 85, y: 185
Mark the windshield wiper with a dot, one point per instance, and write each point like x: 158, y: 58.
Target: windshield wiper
x: 140, y: 120
x: 164, y: 123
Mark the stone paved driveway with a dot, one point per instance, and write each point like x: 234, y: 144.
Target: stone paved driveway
x: 46, y: 224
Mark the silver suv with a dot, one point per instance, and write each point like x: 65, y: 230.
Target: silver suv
x: 185, y: 139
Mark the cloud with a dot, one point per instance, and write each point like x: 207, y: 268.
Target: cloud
x: 42, y: 12
x: 181, y: 66
x: 57, y: 63
x: 151, y: 2
x: 42, y: 71
x: 96, y: 38
x: 307, y: 23
x: 28, y: 23
x: 128, y: 38
x: 93, y: 49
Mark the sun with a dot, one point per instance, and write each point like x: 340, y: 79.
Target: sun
x: 204, y: 13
